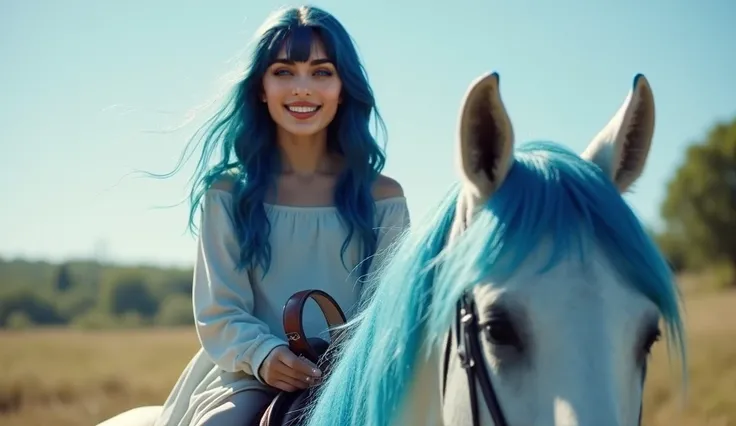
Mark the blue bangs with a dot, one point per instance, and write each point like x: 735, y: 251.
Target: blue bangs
x: 298, y: 44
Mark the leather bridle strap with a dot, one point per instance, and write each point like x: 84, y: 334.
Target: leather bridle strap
x: 293, y: 311
x: 471, y: 358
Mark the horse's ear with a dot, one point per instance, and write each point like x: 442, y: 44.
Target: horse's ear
x: 486, y: 138
x: 621, y: 148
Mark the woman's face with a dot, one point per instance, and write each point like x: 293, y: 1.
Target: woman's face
x: 302, y: 97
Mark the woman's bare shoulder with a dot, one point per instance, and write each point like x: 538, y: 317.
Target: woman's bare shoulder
x: 386, y: 187
x: 225, y: 182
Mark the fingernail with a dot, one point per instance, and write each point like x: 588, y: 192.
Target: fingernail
x: 316, y: 372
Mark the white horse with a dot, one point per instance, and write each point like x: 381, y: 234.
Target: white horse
x: 563, y: 289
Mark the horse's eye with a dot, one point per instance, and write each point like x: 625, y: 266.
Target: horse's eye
x: 651, y: 338
x: 500, y: 332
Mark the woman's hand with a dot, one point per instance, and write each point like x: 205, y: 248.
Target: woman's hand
x: 287, y: 372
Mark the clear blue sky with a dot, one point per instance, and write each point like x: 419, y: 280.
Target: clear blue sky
x: 91, y: 90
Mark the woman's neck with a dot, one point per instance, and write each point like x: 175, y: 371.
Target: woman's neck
x: 305, y: 155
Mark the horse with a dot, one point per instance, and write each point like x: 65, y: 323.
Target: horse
x: 533, y: 295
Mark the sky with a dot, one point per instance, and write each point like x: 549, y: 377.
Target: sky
x: 92, y: 91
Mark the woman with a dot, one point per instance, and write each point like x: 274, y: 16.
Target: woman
x: 301, y: 205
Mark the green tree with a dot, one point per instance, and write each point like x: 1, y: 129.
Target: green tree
x: 32, y: 305
x: 674, y: 248
x: 176, y: 310
x: 128, y: 293
x: 75, y: 302
x: 63, y: 278
x: 700, y: 205
x: 172, y: 282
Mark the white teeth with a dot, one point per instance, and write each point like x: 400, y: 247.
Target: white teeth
x: 301, y: 109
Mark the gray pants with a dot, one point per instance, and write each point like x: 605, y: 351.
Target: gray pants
x: 238, y: 410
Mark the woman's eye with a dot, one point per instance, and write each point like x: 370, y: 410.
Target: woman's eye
x: 318, y: 73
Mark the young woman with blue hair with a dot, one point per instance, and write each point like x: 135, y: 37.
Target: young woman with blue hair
x: 297, y: 202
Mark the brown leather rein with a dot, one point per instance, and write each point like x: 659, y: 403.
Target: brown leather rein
x: 293, y: 314
x: 287, y: 408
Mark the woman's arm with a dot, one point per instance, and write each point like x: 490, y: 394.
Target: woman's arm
x: 223, y: 297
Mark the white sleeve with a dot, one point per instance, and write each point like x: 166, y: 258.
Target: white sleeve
x: 222, y: 295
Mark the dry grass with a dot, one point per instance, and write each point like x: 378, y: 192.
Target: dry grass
x: 711, y: 392
x: 65, y: 377
x: 68, y: 377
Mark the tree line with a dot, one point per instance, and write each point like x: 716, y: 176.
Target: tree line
x: 699, y: 235
x: 699, y: 209
x: 88, y: 294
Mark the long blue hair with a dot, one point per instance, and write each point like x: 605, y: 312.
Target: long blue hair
x: 244, y: 134
x: 549, y: 192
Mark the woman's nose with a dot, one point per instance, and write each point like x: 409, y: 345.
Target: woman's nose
x: 301, y: 87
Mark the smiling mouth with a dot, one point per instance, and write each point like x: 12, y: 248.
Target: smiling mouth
x: 301, y: 109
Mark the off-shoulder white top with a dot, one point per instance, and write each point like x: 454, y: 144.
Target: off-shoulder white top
x: 238, y: 315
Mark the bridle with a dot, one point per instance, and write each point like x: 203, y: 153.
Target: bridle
x: 466, y: 329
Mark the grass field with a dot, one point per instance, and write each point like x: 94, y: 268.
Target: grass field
x: 66, y: 377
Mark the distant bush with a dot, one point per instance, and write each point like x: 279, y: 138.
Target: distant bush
x: 91, y: 296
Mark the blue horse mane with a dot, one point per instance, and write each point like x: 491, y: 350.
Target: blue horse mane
x: 549, y: 192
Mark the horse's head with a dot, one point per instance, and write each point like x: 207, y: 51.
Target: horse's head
x: 564, y: 291
x: 568, y: 292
